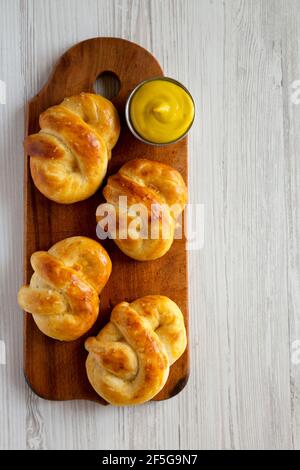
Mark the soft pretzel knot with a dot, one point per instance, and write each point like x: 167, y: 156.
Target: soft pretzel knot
x: 63, y: 295
x: 129, y: 360
x: 157, y: 194
x: 69, y: 156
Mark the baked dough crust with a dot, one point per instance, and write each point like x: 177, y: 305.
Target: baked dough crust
x: 69, y: 156
x: 156, y: 186
x: 63, y: 295
x: 129, y: 360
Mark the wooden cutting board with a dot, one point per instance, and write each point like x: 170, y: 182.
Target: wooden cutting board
x: 56, y: 370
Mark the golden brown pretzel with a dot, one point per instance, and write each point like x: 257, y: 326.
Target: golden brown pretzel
x: 63, y: 295
x: 153, y: 185
x: 69, y: 156
x: 129, y: 360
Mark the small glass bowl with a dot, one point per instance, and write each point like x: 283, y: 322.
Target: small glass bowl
x: 130, y: 124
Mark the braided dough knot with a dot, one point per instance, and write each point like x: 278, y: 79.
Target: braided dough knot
x: 161, y: 194
x: 129, y: 360
x: 69, y: 156
x: 63, y: 295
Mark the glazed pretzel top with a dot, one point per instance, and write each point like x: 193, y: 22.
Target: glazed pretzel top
x: 63, y: 291
x: 154, y: 185
x: 129, y: 360
x: 69, y: 156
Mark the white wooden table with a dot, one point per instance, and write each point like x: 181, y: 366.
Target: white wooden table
x: 239, y: 58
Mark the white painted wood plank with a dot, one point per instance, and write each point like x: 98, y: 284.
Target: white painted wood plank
x: 291, y: 74
x: 12, y: 386
x: 255, y: 232
x: 238, y: 57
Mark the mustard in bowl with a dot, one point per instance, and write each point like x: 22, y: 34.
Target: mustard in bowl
x: 160, y: 111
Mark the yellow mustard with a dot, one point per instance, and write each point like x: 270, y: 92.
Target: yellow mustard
x: 161, y: 111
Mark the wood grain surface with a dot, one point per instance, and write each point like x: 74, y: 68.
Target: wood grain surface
x: 239, y: 58
x: 56, y: 370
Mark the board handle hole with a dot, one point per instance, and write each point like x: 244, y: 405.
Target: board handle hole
x: 107, y: 84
